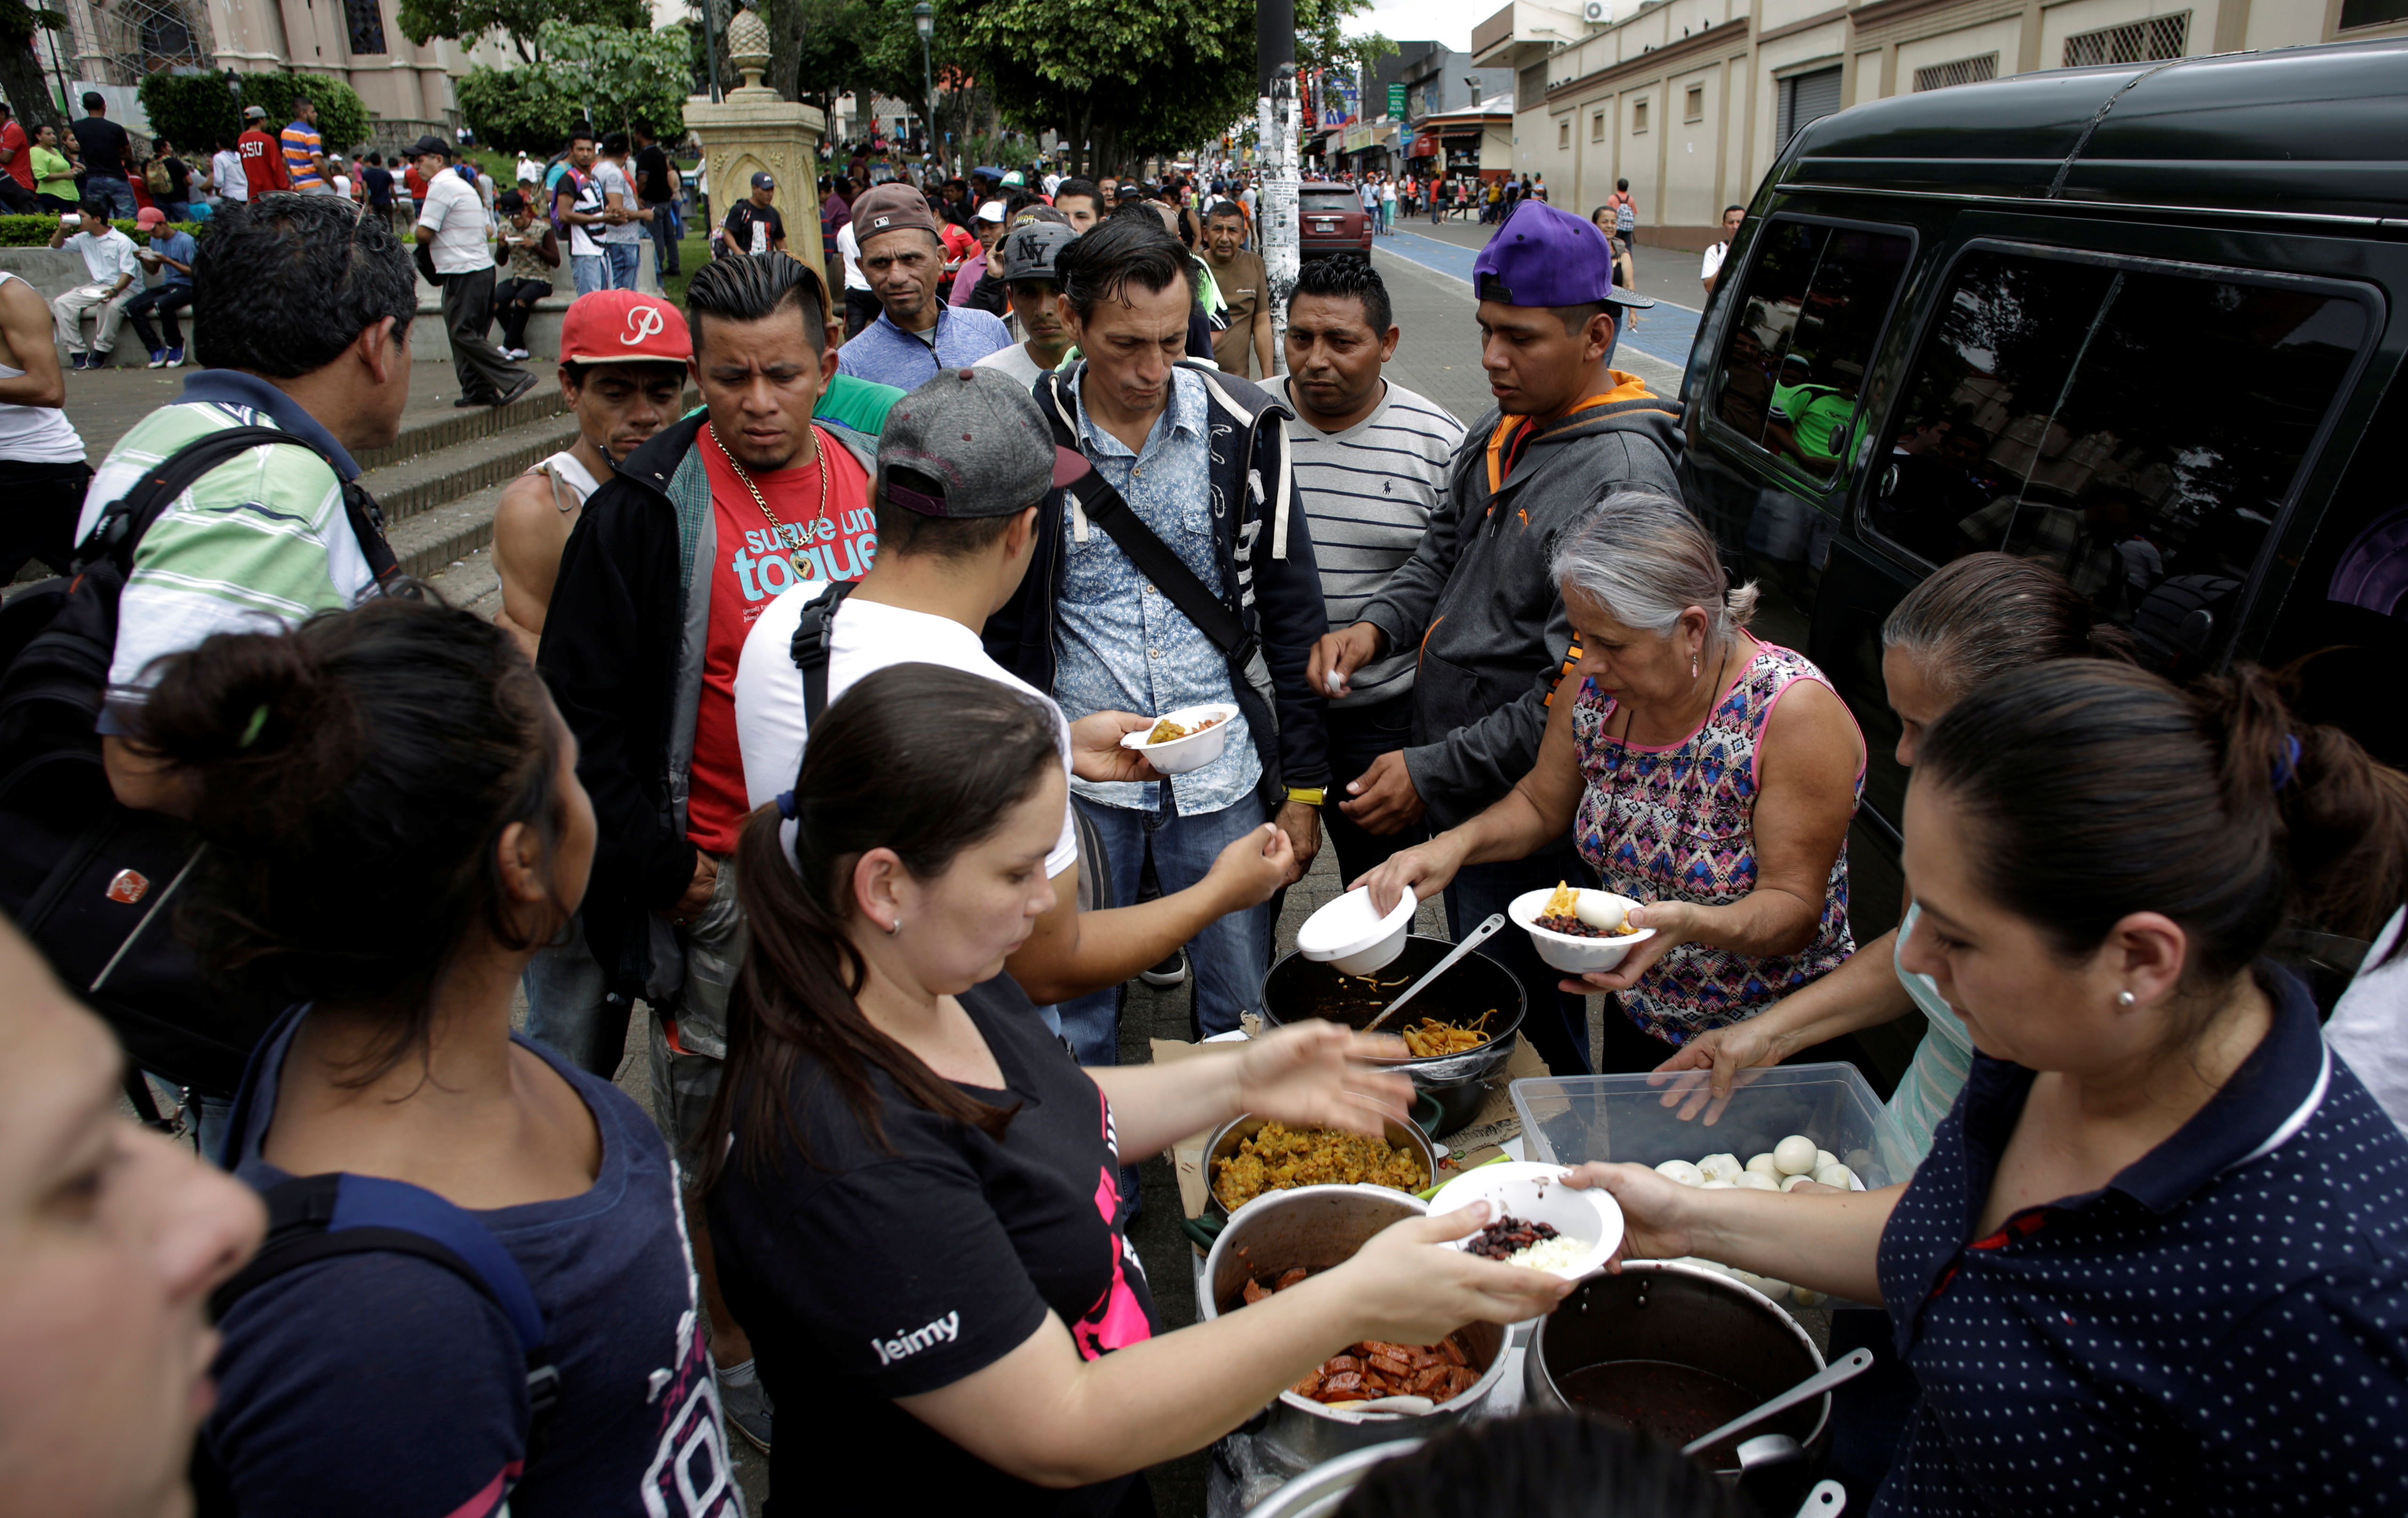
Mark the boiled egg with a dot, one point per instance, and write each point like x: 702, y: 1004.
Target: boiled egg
x: 1795, y: 1154
x: 1682, y: 1171
x: 1600, y: 910
x: 1721, y: 1167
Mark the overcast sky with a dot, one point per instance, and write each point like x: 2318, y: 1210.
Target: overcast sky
x: 1449, y: 22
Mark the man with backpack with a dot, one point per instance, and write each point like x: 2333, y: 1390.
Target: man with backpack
x: 268, y: 534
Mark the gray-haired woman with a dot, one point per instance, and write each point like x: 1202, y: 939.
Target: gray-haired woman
x: 1701, y: 771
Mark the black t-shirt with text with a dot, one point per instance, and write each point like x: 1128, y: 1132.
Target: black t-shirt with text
x: 743, y: 218
x: 102, y: 143
x: 866, y: 1272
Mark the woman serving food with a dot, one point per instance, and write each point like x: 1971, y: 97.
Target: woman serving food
x: 1702, y: 772
x: 2157, y: 1260
x: 917, y: 1218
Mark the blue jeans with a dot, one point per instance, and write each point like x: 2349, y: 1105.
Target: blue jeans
x: 1555, y: 1022
x: 569, y: 1006
x: 665, y: 234
x: 625, y: 258
x: 592, y: 272
x: 119, y: 193
x: 1228, y: 957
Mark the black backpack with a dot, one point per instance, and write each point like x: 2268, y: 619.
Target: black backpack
x: 90, y: 881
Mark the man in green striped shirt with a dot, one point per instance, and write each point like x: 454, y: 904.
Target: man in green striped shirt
x: 302, y: 309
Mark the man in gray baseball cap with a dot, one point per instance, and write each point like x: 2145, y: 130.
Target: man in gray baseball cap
x: 965, y: 466
x: 1035, y: 293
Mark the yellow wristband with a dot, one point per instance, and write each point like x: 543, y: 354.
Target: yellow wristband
x: 1312, y: 797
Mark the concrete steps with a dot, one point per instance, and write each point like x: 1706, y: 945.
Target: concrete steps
x: 440, y: 486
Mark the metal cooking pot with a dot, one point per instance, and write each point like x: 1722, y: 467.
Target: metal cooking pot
x: 1662, y: 1310
x: 1317, y: 1227
x: 1323, y: 1490
x: 1298, y: 988
x: 1245, y: 1125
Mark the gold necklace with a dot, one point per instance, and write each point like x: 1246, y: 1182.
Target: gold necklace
x: 778, y: 526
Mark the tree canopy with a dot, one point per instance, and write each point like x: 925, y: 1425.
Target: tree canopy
x: 521, y: 20
x: 606, y: 76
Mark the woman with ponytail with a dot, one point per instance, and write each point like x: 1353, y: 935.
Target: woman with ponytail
x: 393, y: 826
x: 1702, y: 772
x: 1972, y: 620
x: 917, y: 1214
x: 2157, y: 1260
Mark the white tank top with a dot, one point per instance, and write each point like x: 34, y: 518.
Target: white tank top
x: 35, y: 434
x: 566, y: 468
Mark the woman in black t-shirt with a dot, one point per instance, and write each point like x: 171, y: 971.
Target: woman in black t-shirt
x: 916, y: 1218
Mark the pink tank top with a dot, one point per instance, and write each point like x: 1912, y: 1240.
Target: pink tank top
x: 1680, y: 823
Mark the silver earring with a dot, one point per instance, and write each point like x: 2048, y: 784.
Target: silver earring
x: 894, y: 927
x: 2125, y: 998
x: 1693, y: 666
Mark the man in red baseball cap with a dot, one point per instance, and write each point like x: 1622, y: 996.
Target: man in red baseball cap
x: 622, y: 373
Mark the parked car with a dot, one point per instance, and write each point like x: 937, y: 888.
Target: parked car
x: 2141, y: 319
x: 1331, y: 219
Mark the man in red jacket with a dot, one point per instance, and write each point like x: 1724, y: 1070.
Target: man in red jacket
x: 263, y: 155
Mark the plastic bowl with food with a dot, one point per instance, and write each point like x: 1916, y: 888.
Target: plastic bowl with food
x: 1350, y: 933
x: 1201, y: 733
x: 1579, y: 955
x: 1586, y: 1225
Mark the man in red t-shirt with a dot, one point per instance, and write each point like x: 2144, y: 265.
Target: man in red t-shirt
x: 672, y: 559
x: 16, y: 185
x: 263, y: 155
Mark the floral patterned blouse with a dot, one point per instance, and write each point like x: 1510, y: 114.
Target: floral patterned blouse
x: 1658, y: 824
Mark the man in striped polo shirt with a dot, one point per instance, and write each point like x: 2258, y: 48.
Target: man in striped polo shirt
x: 305, y: 157
x: 1370, y: 464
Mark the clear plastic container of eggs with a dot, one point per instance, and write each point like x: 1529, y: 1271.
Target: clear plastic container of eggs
x: 1782, y: 1127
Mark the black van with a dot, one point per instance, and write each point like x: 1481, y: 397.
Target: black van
x: 2137, y: 318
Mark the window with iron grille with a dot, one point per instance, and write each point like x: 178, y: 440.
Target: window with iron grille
x: 1963, y: 71
x: 2134, y: 42
x: 1530, y: 88
x: 366, y: 26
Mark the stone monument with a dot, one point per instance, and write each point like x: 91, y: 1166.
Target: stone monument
x: 754, y: 130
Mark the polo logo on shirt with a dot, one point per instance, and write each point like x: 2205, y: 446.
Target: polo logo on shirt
x: 943, y: 1331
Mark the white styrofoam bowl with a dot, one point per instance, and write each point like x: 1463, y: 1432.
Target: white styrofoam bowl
x: 1349, y: 934
x: 1536, y: 1192
x: 1194, y: 750
x: 1574, y: 956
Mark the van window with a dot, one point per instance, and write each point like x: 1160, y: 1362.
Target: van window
x: 2140, y: 424
x: 1811, y: 312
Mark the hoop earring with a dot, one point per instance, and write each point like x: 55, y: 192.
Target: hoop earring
x: 2125, y: 998
x: 894, y: 927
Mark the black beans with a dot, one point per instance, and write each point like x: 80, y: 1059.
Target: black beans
x: 1507, y: 1237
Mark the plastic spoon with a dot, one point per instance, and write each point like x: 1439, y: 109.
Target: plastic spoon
x: 1472, y: 940
x: 1847, y: 1368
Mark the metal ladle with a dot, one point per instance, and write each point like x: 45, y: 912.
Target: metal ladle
x: 1472, y: 940
x: 1847, y: 1368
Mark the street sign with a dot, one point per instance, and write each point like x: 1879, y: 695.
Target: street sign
x: 1395, y: 102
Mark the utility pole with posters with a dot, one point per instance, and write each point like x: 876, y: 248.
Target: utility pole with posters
x: 1275, y: 129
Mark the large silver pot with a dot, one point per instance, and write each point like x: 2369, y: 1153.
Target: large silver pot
x: 1226, y: 1139
x: 1317, y: 1227
x: 1323, y: 1490
x: 1298, y: 988
x: 1662, y: 1310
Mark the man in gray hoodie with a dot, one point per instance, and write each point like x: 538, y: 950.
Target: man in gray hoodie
x: 1569, y: 429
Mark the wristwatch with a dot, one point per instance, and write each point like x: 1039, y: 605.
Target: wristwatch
x: 1311, y: 797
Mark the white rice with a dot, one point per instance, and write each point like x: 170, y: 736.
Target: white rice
x: 1557, y: 1254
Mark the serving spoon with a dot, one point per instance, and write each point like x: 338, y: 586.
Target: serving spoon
x: 1847, y: 1368
x: 1472, y: 940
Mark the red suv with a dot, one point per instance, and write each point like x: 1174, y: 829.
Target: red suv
x: 1330, y: 219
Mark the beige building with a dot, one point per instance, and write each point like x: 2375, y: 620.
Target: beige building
x: 1692, y: 100
x: 114, y: 43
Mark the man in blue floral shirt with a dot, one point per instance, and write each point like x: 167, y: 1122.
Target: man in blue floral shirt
x: 1200, y: 458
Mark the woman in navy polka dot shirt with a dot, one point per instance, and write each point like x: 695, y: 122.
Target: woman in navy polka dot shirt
x: 2158, y: 1259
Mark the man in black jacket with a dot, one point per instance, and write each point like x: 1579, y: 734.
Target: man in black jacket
x: 1201, y: 461
x: 670, y: 563
x: 1479, y: 599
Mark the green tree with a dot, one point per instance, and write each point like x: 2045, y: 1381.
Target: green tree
x: 605, y: 75
x: 194, y: 111
x: 21, y: 78
x: 522, y: 20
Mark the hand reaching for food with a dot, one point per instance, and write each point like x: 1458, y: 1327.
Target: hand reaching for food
x: 1408, y: 1293
x: 1312, y: 1075
x: 1253, y: 867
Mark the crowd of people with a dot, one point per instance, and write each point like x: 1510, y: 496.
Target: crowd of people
x: 800, y: 729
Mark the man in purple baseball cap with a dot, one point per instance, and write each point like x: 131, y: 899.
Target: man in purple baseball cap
x: 1478, y: 597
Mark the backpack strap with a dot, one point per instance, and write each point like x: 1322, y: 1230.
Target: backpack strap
x: 809, y: 647
x: 1094, y: 496
x: 322, y: 1217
